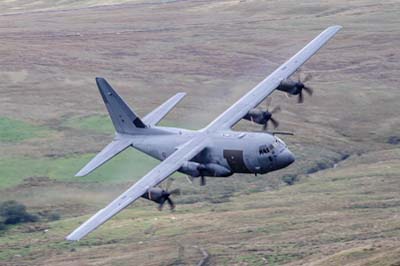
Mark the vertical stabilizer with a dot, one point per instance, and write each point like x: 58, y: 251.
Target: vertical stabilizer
x: 124, y: 119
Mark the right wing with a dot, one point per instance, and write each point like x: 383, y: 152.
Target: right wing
x: 254, y: 97
x: 172, y: 163
x: 157, y: 114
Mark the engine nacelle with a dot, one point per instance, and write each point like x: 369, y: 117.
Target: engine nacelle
x: 156, y: 194
x: 290, y: 86
x: 216, y: 170
x: 211, y: 169
x: 190, y: 168
x: 257, y: 116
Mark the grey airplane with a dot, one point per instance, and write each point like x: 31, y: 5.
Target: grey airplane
x: 213, y: 151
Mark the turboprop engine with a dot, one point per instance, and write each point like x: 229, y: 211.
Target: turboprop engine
x: 194, y: 169
x: 161, y: 196
x: 296, y: 87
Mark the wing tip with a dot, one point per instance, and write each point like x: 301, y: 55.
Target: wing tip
x: 335, y: 27
x: 81, y: 173
x: 180, y: 95
x: 71, y: 237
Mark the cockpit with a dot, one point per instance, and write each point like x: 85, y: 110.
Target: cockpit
x: 276, y: 146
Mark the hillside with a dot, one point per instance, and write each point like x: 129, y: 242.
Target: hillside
x: 341, y: 210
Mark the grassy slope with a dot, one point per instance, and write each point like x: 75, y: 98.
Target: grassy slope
x: 64, y: 168
x: 15, y: 131
x: 335, y: 217
x: 22, y: 6
x: 213, y: 50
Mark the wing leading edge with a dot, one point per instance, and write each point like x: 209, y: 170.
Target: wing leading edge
x: 172, y: 163
x: 254, y: 97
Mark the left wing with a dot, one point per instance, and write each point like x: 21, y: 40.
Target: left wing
x: 172, y: 163
x: 254, y: 97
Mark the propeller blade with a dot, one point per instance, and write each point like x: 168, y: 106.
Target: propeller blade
x: 309, y: 90
x: 265, y: 126
x: 175, y: 191
x: 300, y: 99
x: 189, y: 179
x: 268, y: 103
x: 171, y: 204
x: 169, y: 183
x: 161, y: 205
x: 308, y: 77
x: 202, y: 181
x: 277, y: 109
x: 274, y: 122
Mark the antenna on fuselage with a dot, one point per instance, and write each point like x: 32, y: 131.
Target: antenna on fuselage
x: 282, y: 133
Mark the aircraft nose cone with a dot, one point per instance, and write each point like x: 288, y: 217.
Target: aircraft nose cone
x: 285, y: 158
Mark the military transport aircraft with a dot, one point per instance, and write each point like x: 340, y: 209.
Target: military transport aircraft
x: 215, y: 150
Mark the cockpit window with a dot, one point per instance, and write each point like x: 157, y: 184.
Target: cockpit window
x: 278, y: 140
x: 264, y: 149
x: 271, y: 147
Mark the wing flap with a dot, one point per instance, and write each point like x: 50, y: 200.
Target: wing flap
x: 172, y: 163
x: 254, y: 97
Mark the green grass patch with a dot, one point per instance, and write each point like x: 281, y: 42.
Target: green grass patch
x: 14, y: 130
x: 93, y: 123
x: 102, y: 124
x: 129, y: 165
x: 251, y: 260
x: 279, y: 259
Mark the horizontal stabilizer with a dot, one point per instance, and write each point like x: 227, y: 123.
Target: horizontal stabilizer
x: 160, y: 112
x: 112, y: 149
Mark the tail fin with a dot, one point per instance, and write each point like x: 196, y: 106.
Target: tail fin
x: 124, y: 119
x: 126, y: 122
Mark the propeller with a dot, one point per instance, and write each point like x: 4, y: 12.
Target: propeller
x: 165, y: 197
x: 268, y: 115
x: 201, y: 168
x: 300, y: 86
x: 161, y: 195
x: 166, y: 193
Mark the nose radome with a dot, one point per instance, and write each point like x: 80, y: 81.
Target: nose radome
x: 285, y: 158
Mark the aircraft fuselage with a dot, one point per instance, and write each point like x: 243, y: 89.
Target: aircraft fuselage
x: 229, y: 152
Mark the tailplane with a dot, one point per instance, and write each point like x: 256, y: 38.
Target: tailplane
x: 160, y: 112
x: 126, y: 123
x: 111, y: 150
